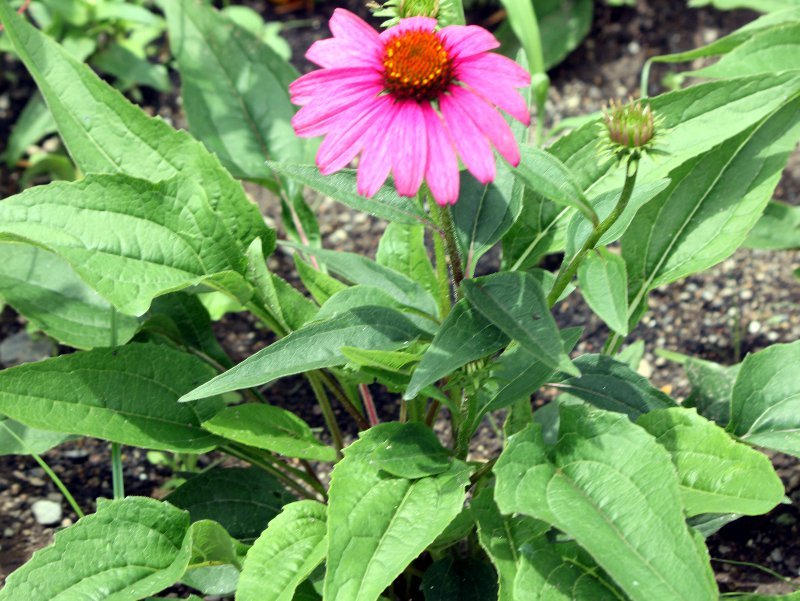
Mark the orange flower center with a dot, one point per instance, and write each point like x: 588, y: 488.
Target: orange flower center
x: 417, y: 66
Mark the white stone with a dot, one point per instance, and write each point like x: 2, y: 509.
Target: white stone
x: 47, y: 513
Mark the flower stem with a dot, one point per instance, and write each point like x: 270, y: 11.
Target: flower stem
x: 117, y: 477
x: 568, y: 271
x: 327, y: 411
x: 445, y: 221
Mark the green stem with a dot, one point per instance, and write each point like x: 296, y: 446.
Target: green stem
x: 568, y: 271
x: 327, y: 411
x: 50, y: 473
x: 331, y: 385
x: 117, y: 477
x: 442, y: 276
x: 445, y: 221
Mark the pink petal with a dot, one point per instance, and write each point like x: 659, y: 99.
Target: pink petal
x: 462, y: 41
x: 376, y: 160
x: 489, y: 122
x: 343, y: 143
x: 470, y: 142
x: 497, y: 66
x: 409, y: 152
x: 441, y: 173
x: 336, y: 52
x: 321, y: 115
x: 349, y: 26
x: 319, y: 83
x: 409, y: 24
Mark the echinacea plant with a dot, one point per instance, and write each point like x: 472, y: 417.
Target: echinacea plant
x: 605, y: 493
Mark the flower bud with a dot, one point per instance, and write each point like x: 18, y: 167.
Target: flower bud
x: 402, y: 9
x: 629, y: 127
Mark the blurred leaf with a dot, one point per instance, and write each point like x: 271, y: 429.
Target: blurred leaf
x: 34, y: 123
x: 19, y: 439
x: 712, y: 385
x: 452, y: 579
x: 130, y: 69
x: 778, y: 228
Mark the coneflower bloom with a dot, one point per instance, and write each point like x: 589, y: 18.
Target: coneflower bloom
x: 410, y: 101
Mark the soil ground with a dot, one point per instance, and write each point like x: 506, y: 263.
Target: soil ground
x: 747, y: 302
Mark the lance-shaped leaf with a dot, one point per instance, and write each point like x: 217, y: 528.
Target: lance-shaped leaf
x: 314, y: 346
x: 242, y: 500
x: 341, y: 187
x: 377, y: 523
x: 128, y: 550
x: 515, y: 303
x: 765, y: 404
x: 105, y: 133
x: 45, y: 289
x: 127, y: 395
x: 402, y: 248
x: 129, y: 239
x: 604, y: 285
x: 613, y: 488
x: 716, y: 473
x: 285, y: 553
x: 270, y: 428
x: 234, y: 89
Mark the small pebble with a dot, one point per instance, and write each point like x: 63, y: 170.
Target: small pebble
x: 46, y: 512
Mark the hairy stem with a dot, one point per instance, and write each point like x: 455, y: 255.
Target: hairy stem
x: 327, y: 411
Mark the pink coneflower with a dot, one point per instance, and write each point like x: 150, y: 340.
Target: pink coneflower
x: 410, y: 100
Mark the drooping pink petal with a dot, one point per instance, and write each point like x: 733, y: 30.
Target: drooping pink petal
x: 472, y: 146
x: 441, y: 172
x: 410, y: 24
x: 502, y: 97
x: 410, y: 153
x: 319, y: 116
x: 343, y: 143
x: 489, y: 122
x: 376, y: 158
x: 349, y: 26
x: 462, y: 41
x: 335, y: 52
x: 319, y: 83
x: 501, y: 67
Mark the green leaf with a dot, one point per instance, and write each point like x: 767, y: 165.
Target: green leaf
x: 319, y: 284
x: 107, y: 134
x: 533, y: 233
x: 778, y: 228
x: 216, y: 559
x: 234, y: 89
x: 44, y: 288
x: 127, y: 395
x: 451, y: 579
x: 772, y: 51
x: 242, y: 500
x: 99, y: 224
x: 710, y: 205
x: 285, y: 554
x: 410, y: 451
x: 361, y: 270
x: 613, y: 386
x: 545, y: 173
x: 402, y: 248
x: 131, y: 69
x: 464, y: 336
x: 612, y: 488
x: 128, y: 550
x: 766, y: 399
x: 270, y: 428
x: 604, y: 285
x: 377, y: 524
x: 712, y: 386
x: 484, y: 213
x: 34, y: 123
x: 19, y: 439
x: 341, y: 187
x: 716, y: 473
x: 314, y: 346
x: 504, y: 538
x: 515, y: 303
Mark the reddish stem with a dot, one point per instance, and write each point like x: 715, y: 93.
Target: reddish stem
x: 20, y: 10
x: 369, y: 405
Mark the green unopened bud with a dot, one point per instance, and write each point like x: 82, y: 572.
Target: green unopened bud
x: 402, y: 9
x: 629, y: 128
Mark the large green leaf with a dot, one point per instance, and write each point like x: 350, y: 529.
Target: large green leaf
x: 234, y: 89
x: 503, y: 538
x: 464, y: 336
x: 127, y: 395
x: 270, y: 428
x: 710, y: 205
x: 131, y: 240
x: 242, y: 500
x: 515, y: 303
x: 45, y: 289
x: 285, y: 554
x: 604, y: 285
x: 341, y: 186
x: 314, y: 346
x: 613, y: 386
x: 128, y: 550
x: 613, y: 488
x: 107, y: 134
x: 716, y: 473
x: 377, y: 523
x: 765, y: 403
